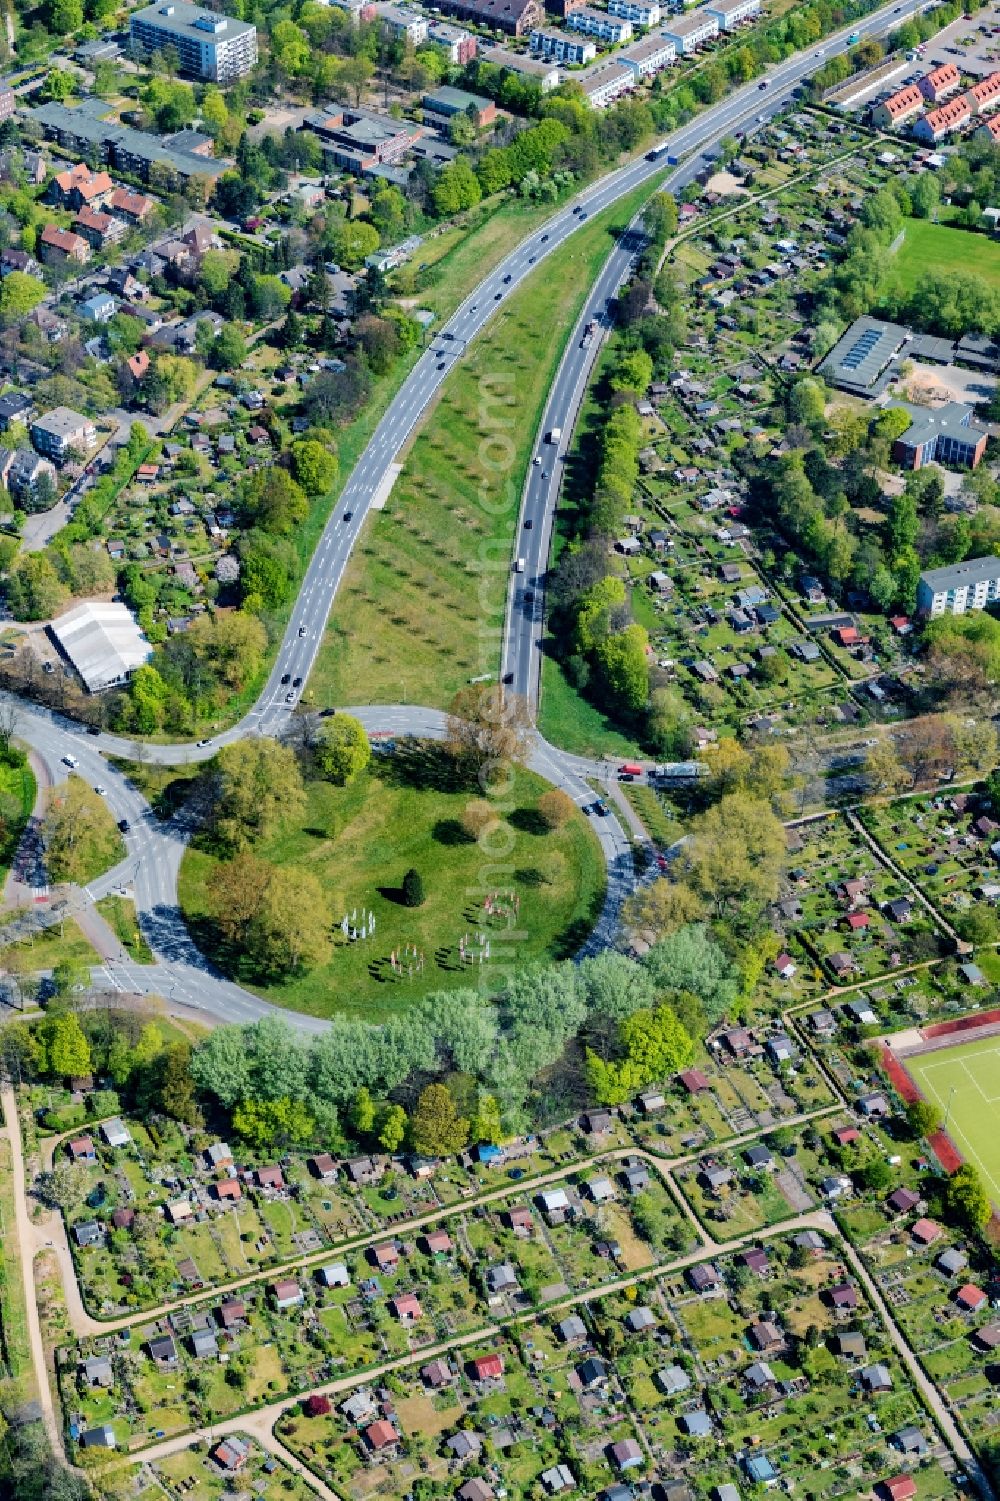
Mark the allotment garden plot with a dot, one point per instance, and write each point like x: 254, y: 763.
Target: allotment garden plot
x: 948, y: 842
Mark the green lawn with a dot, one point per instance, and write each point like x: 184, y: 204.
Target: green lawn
x: 939, y: 248
x: 119, y: 913
x: 421, y: 607
x: 965, y: 1082
x: 572, y: 722
x: 361, y: 840
x: 52, y: 945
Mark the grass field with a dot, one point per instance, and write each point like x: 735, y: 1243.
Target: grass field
x: 421, y: 607
x: 938, y: 248
x: 119, y: 912
x: 965, y: 1082
x: 361, y: 840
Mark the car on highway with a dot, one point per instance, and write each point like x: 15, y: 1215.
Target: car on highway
x: 296, y: 682
x: 348, y: 515
x: 70, y: 761
x: 289, y: 697
x: 203, y: 743
x: 601, y: 808
x: 441, y: 364
x: 528, y: 523
x: 123, y: 825
x: 302, y: 631
x: 543, y: 239
x: 498, y: 297
x: 531, y: 260
x: 507, y: 279
x: 508, y: 677
x: 762, y: 84
x: 101, y: 791
x: 286, y: 677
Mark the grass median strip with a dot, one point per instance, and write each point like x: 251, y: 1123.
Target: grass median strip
x: 421, y: 606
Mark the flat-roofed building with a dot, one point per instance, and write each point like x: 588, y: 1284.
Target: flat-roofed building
x: 217, y: 48
x: 604, y: 83
x: 545, y: 74
x: 688, y: 33
x: 639, y: 12
x: 648, y: 56
x: 562, y: 46
x: 599, y: 23
x: 733, y: 13
x: 959, y: 587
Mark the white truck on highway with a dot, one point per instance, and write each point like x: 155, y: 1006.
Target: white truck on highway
x: 553, y: 435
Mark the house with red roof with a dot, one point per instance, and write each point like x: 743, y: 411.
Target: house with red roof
x: 486, y: 1367
x: 407, y: 1308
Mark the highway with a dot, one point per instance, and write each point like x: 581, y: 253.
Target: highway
x: 155, y: 849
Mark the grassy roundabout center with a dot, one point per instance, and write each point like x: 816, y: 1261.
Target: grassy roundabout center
x: 405, y: 812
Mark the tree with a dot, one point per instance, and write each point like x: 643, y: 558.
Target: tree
x: 63, y: 16
x: 174, y: 1086
x: 875, y: 1175
x: 229, y: 350
x: 457, y: 188
x: 555, y: 808
x: 77, y: 829
x: 735, y: 854
x: 64, y: 1050
x: 291, y: 931
x: 19, y: 295
x: 924, y: 1117
x: 236, y: 894
x: 692, y: 962
x: 314, y: 465
x: 966, y: 1199
x: 885, y: 774
x: 662, y: 907
x: 268, y: 1124
x: 487, y: 726
x: 436, y: 1129
x: 487, y: 1123
x: 343, y: 750
x: 392, y: 1128
x: 34, y: 588
x: 258, y: 787
x: 413, y: 888
x: 622, y: 659
x: 274, y: 501
x: 352, y: 242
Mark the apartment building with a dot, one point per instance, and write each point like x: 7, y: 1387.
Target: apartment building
x: 56, y: 246
x: 403, y: 25
x: 84, y: 129
x: 940, y: 83
x: 984, y: 96
x: 562, y: 46
x: 648, y: 56
x: 959, y: 587
x: 690, y: 32
x: 939, y: 123
x: 898, y: 108
x: 458, y: 44
x: 639, y: 12
x: 733, y: 13
x: 216, y: 48
x: 98, y: 229
x: 598, y: 23
x: 80, y: 187
x: 606, y: 82
x: 60, y: 431
x: 515, y: 17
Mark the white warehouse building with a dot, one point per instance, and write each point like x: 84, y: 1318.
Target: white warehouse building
x: 103, y: 642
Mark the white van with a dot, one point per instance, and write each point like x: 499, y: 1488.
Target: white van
x: 519, y: 566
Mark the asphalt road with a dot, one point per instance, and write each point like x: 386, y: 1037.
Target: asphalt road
x: 154, y: 850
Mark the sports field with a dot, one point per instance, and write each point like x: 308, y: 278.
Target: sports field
x: 965, y: 1082
x: 944, y: 249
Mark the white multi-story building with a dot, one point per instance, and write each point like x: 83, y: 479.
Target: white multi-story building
x: 648, y: 56
x: 607, y: 28
x: 606, y: 82
x: 690, y: 32
x: 639, y: 12
x: 562, y: 46
x: 960, y: 587
x: 217, y: 48
x: 399, y: 22
x: 733, y: 13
